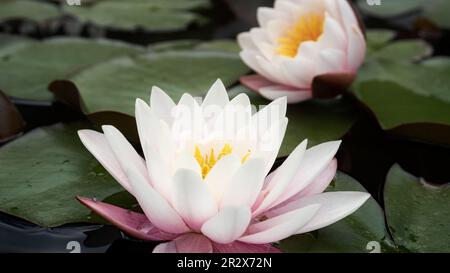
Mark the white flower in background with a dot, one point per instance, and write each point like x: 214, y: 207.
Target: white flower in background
x: 210, y: 191
x: 299, y: 40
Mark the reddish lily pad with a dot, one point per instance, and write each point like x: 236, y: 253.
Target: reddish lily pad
x: 11, y: 122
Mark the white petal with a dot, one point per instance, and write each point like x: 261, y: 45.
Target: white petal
x: 98, y: 146
x: 192, y: 199
x: 314, y: 162
x: 149, y: 129
x: 300, y: 71
x: 216, y: 96
x: 347, y: 14
x: 158, y: 171
x: 333, y: 35
x: 185, y: 160
x: 265, y: 14
x: 249, y: 57
x: 124, y: 152
x: 282, y: 178
x: 188, y: 123
x: 332, y: 8
x: 245, y: 41
x: 241, y: 100
x: 334, y: 207
x: 321, y: 182
x: 269, y: 115
x: 228, y: 225
x: 161, y: 104
x: 356, y: 48
x: 308, y: 50
x: 245, y: 185
x: 276, y: 28
x: 220, y: 175
x: 331, y: 61
x: 269, y: 143
x: 155, y: 207
x: 281, y: 227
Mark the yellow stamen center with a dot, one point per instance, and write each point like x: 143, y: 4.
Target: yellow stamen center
x: 208, y: 161
x: 308, y: 28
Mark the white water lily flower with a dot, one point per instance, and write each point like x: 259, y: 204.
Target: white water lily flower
x: 204, y: 187
x: 299, y: 41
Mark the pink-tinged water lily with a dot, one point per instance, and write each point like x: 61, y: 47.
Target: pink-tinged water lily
x: 204, y: 185
x: 303, y: 49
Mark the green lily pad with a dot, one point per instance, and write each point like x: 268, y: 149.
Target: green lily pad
x: 315, y: 120
x: 380, y: 47
x: 439, y: 63
x: 417, y: 212
x: 420, y: 79
x: 151, y: 15
x: 409, y: 99
x: 214, y: 45
x: 26, y: 9
x: 378, y: 38
x: 404, y: 50
x: 438, y: 12
x: 28, y: 69
x: 389, y: 8
x: 9, y: 42
x: 434, y: 10
x: 115, y: 85
x: 43, y: 172
x: 363, y: 231
x: 405, y: 113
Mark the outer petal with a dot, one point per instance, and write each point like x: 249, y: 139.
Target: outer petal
x: 256, y: 82
x: 334, y: 207
x: 269, y: 115
x: 192, y: 199
x: 331, y: 61
x: 315, y: 161
x: 292, y: 95
x: 228, y: 225
x: 155, y: 207
x: 333, y: 35
x: 188, y: 243
x: 216, y: 97
x: 249, y: 57
x: 280, y: 227
x: 161, y: 104
x: 132, y: 223
x: 282, y: 177
x: 239, y: 247
x: 245, y: 41
x: 347, y: 14
x: 245, y: 185
x: 300, y: 71
x: 124, y: 152
x: 97, y: 144
x: 322, y: 181
x: 356, y: 48
x: 265, y: 15
x: 269, y: 143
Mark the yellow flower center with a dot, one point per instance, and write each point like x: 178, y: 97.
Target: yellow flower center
x: 208, y: 161
x: 307, y: 28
